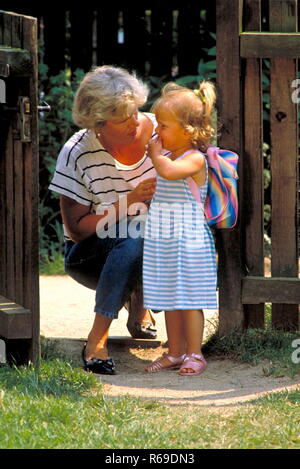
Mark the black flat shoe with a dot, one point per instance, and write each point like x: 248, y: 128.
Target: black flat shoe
x: 96, y: 365
x: 142, y: 331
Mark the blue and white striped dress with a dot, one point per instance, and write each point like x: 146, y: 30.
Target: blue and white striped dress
x: 179, y: 266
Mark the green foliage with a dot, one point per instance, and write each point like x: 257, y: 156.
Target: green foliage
x: 55, y: 127
x: 256, y: 345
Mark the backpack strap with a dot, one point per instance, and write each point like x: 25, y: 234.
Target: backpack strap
x: 194, y: 189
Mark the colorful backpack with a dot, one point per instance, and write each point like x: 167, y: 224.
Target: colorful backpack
x: 221, y: 204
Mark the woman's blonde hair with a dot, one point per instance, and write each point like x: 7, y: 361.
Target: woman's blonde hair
x: 193, y: 108
x: 107, y: 93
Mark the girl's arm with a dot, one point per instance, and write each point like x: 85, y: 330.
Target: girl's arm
x: 189, y: 165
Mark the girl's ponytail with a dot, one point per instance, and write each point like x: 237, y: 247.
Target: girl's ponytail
x: 207, y: 95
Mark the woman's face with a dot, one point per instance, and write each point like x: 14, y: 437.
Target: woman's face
x: 122, y: 130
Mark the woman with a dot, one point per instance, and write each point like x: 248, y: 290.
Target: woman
x: 101, y: 173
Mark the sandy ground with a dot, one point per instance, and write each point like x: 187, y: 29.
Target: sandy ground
x: 67, y: 315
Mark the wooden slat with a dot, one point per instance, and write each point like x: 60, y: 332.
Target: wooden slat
x: 7, y: 30
x: 3, y: 248
x: 55, y: 38
x: 81, y: 20
x: 284, y: 156
x: 270, y: 45
x: 135, y: 27
x: 19, y: 219
x: 3, y: 138
x: 108, y: 49
x: 271, y: 289
x: 31, y: 198
x: 253, y: 199
x: 231, y: 315
x: 15, y: 321
x: 161, y: 50
x: 16, y: 31
x: 189, y: 38
x: 1, y: 26
x: 10, y: 226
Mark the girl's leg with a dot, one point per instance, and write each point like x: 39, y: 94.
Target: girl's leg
x: 174, y: 327
x: 193, y: 324
x: 176, y: 343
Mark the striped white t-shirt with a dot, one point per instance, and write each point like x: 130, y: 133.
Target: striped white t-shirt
x: 87, y: 173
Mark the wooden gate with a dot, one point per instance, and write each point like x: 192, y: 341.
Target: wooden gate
x: 19, y: 280
x: 241, y: 46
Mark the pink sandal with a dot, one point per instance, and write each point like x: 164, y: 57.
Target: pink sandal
x: 158, y: 366
x: 195, y: 362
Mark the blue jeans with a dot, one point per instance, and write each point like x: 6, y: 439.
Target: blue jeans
x: 111, y: 266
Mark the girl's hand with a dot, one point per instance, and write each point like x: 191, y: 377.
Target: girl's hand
x: 154, y: 147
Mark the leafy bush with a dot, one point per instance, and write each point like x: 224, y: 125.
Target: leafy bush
x: 55, y: 128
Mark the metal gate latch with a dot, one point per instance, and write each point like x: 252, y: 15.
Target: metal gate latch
x: 24, y: 119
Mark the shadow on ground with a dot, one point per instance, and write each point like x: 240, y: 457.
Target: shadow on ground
x: 224, y: 383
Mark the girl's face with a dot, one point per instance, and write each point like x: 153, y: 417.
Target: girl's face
x: 173, y: 136
x: 122, y: 130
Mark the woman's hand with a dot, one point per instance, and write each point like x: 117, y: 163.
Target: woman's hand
x: 143, y: 191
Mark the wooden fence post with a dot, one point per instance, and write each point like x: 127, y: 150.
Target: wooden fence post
x: 229, y: 16
x: 253, y: 195
x: 284, y: 161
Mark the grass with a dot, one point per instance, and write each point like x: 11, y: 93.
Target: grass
x: 63, y: 407
x: 53, y: 265
x: 273, y: 348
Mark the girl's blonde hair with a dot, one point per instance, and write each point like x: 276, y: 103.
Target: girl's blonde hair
x: 107, y: 93
x: 193, y: 108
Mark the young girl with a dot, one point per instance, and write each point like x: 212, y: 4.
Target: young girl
x: 179, y: 268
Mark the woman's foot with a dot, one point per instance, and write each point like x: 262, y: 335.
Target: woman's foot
x: 140, y: 324
x: 95, y: 350
x: 96, y: 364
x: 165, y: 362
x: 142, y: 330
x: 193, y: 364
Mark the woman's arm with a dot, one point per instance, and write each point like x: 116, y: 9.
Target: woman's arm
x: 80, y: 223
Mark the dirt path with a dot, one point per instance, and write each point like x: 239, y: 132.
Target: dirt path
x: 66, y: 317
